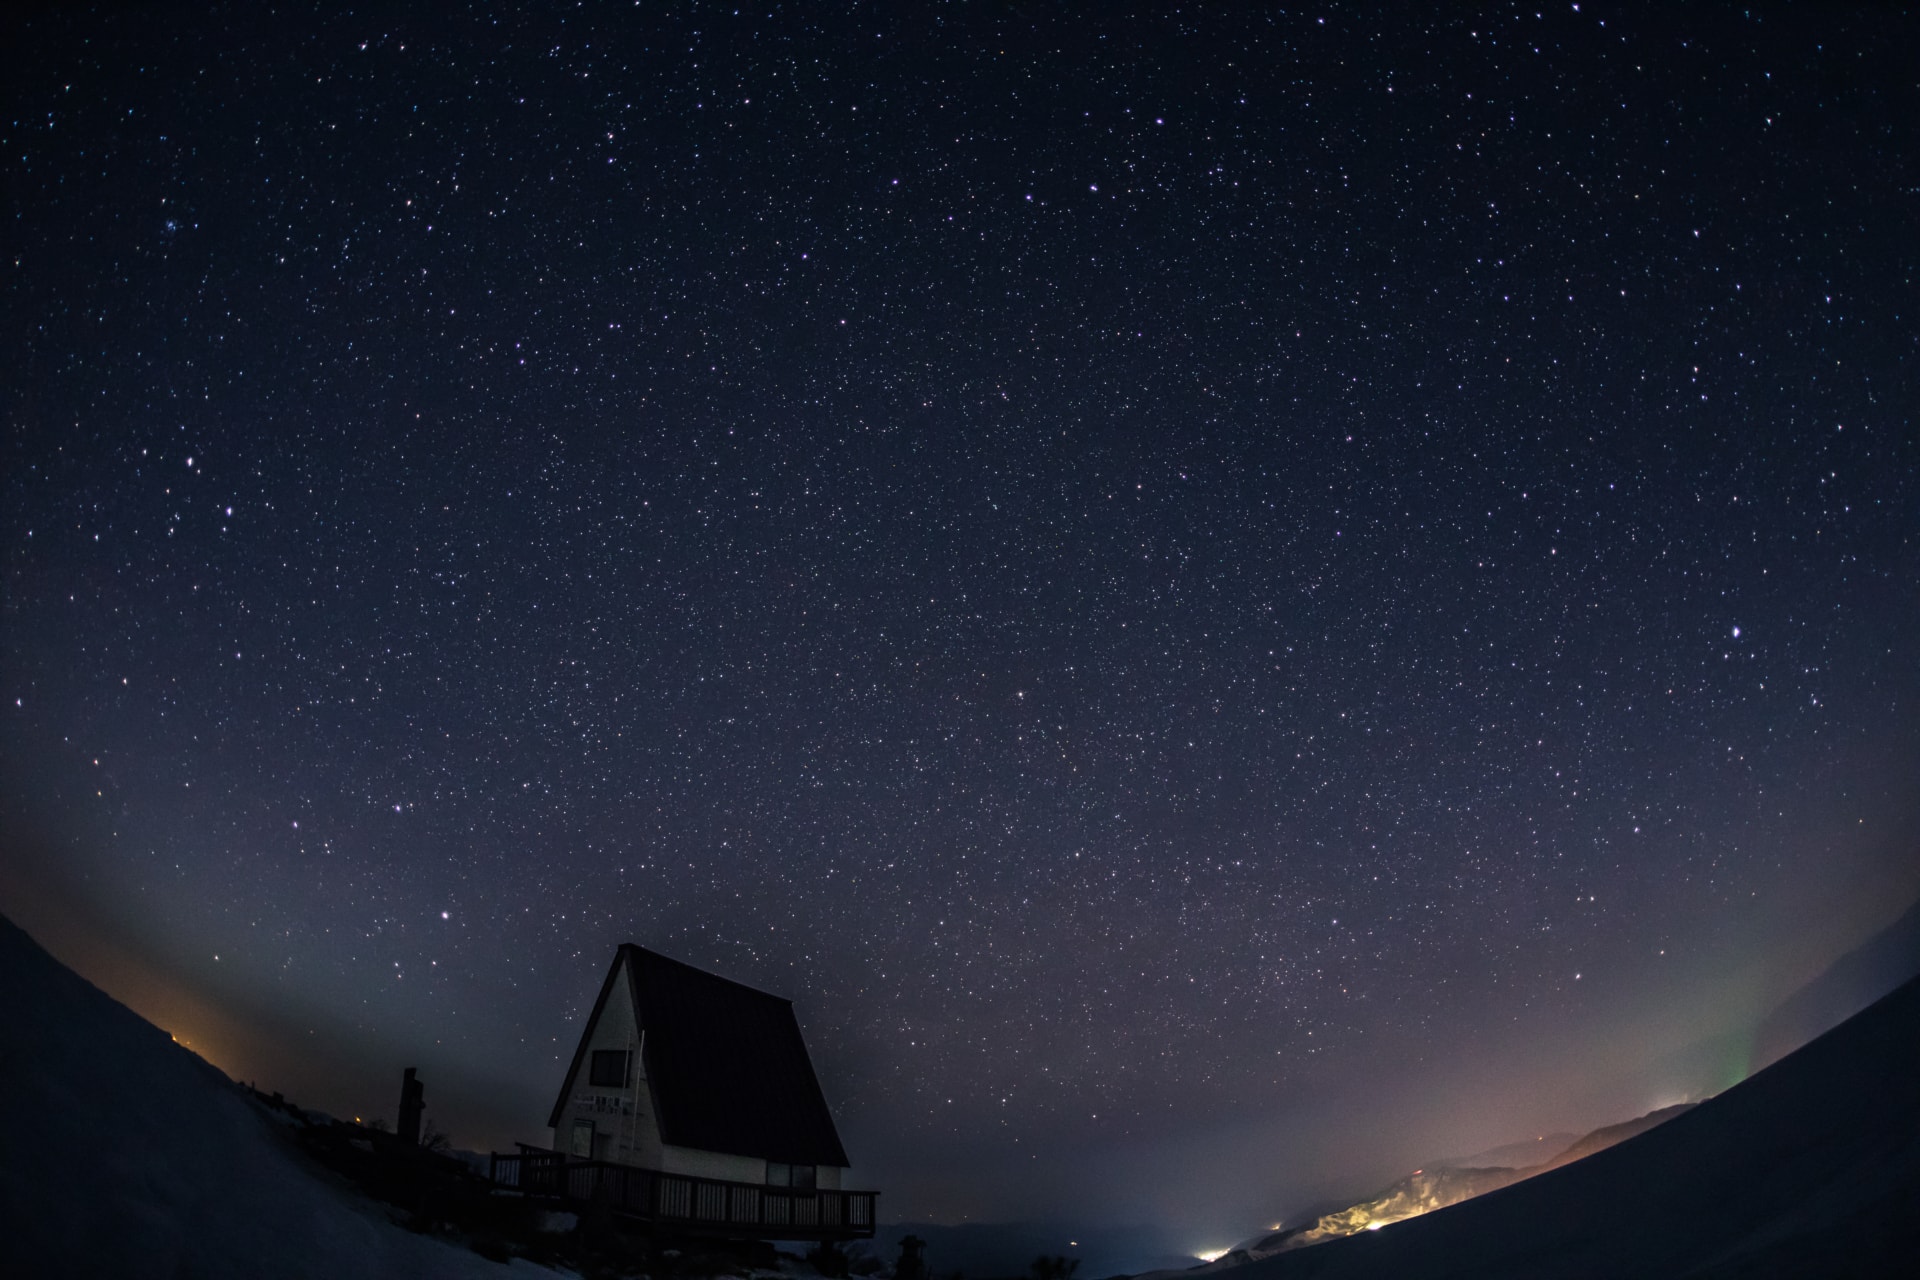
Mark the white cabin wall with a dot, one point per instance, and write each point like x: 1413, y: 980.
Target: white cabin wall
x: 713, y: 1164
x: 626, y: 1129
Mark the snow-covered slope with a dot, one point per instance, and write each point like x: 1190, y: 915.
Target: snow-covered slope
x: 123, y: 1155
x: 1810, y: 1168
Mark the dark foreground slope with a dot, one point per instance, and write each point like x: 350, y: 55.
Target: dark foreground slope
x: 1810, y: 1168
x: 124, y: 1155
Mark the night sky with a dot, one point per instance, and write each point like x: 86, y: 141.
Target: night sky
x: 1226, y: 598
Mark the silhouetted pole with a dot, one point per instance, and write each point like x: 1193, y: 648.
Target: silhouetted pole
x: 412, y: 1103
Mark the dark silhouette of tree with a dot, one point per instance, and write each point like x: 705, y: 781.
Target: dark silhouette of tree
x: 911, y: 1265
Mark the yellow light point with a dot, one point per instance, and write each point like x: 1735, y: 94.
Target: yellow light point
x: 1210, y: 1255
x: 1375, y: 1225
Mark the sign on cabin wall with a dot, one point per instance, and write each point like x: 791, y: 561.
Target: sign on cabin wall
x: 601, y: 1104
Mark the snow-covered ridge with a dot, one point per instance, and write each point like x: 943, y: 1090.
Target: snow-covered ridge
x: 125, y: 1155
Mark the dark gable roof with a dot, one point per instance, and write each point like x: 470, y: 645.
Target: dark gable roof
x: 728, y: 1069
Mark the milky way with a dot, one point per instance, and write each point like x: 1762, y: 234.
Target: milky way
x: 1140, y: 570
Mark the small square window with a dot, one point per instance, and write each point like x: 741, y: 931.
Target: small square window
x: 802, y: 1177
x: 583, y: 1139
x: 609, y: 1069
x: 779, y: 1175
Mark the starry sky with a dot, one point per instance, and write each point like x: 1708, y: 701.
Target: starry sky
x: 1227, y: 597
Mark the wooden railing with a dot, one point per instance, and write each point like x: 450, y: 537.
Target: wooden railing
x: 697, y: 1204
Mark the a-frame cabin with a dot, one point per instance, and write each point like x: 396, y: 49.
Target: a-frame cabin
x: 685, y: 1072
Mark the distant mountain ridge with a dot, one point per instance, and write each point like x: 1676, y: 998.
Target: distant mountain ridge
x: 1427, y: 1189
x: 1810, y: 1168
x: 1851, y: 983
x: 1515, y: 1155
x: 1855, y: 981
x: 1606, y: 1136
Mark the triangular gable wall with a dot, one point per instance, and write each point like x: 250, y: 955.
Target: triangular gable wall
x: 622, y: 958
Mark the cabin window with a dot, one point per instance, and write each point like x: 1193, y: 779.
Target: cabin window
x: 583, y: 1139
x: 799, y: 1176
x: 609, y: 1069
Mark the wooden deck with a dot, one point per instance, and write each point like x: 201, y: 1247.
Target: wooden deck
x: 701, y: 1206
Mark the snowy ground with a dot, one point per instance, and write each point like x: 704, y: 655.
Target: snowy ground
x: 123, y: 1155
